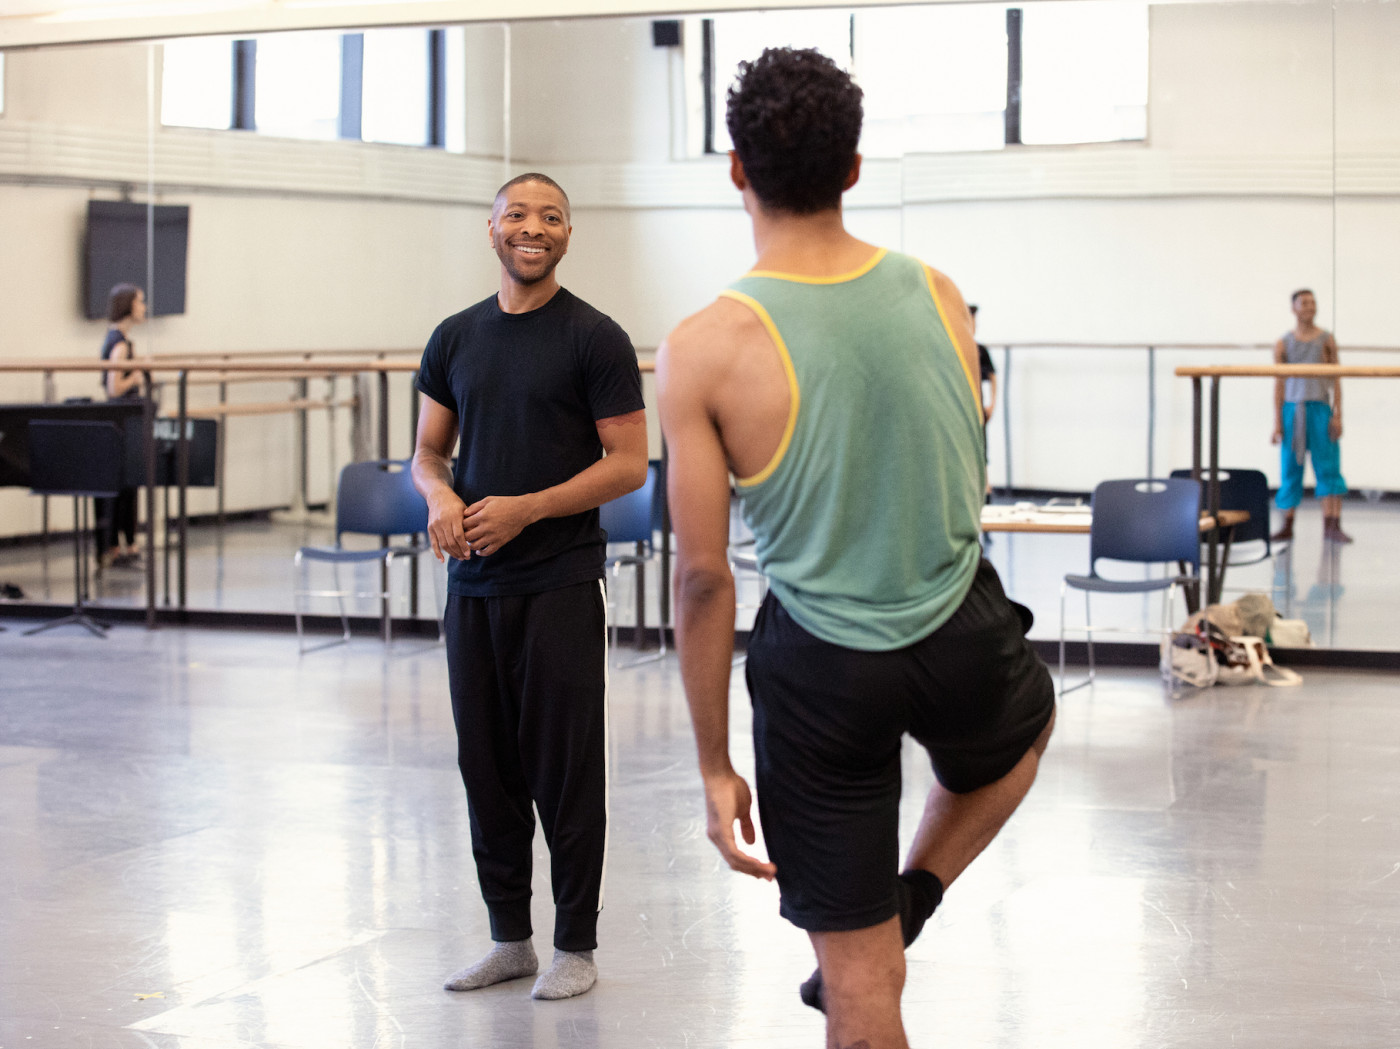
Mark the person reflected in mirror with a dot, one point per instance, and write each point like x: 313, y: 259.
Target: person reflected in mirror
x: 988, y: 393
x: 881, y: 617
x: 116, y: 538
x: 542, y: 395
x: 1308, y: 422
x: 987, y: 387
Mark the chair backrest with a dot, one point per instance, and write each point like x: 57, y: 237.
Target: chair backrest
x: 1146, y: 521
x: 1241, y: 490
x: 377, y: 497
x: 628, y: 518
x: 75, y: 457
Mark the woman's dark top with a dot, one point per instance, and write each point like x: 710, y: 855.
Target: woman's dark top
x: 115, y: 336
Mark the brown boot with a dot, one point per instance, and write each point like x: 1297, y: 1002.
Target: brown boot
x: 1332, y: 531
x: 1285, y: 533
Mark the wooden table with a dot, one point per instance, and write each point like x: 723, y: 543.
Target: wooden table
x: 1078, y: 520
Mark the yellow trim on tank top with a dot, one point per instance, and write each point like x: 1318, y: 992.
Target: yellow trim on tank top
x: 973, y: 382
x: 794, y: 395
x: 798, y: 278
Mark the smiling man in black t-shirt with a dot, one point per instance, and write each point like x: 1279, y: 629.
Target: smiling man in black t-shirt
x: 535, y: 385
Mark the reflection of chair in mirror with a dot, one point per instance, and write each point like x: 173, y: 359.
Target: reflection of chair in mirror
x: 375, y: 498
x: 1242, y: 490
x: 82, y: 459
x: 632, y: 518
x: 1145, y: 522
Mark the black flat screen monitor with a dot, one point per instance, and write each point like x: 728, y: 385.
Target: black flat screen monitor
x: 115, y: 253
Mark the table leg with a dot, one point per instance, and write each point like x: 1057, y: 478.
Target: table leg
x: 1213, y: 488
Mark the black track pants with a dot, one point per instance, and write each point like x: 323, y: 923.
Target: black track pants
x: 528, y: 675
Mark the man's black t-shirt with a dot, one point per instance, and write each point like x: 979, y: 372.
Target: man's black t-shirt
x: 984, y: 362
x: 528, y: 389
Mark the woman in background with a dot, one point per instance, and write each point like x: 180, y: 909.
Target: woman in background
x: 116, y: 517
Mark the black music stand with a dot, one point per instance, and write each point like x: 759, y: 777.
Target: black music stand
x: 84, y: 460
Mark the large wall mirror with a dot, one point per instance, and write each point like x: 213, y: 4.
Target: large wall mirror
x: 1258, y: 153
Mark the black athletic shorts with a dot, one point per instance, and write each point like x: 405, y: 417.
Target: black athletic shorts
x: 828, y: 725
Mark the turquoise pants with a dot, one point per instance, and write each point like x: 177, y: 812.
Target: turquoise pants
x: 1326, y: 456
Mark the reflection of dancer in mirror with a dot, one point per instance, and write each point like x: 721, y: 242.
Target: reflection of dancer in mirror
x: 116, y: 517
x: 881, y: 618
x: 534, y: 385
x: 987, y: 386
x: 1308, y: 421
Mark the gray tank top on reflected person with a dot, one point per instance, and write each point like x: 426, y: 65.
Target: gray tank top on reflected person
x: 1297, y: 388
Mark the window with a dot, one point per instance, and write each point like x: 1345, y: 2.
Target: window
x: 196, y: 81
x: 296, y: 85
x: 1084, y: 72
x: 951, y: 76
x: 932, y: 75
x: 397, y: 86
x: 744, y: 35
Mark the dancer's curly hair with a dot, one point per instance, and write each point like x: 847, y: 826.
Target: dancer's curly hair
x: 794, y: 117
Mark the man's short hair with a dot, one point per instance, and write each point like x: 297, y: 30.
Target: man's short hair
x: 1293, y: 299
x: 794, y: 117
x: 119, y: 301
x: 972, y: 308
x: 531, y: 176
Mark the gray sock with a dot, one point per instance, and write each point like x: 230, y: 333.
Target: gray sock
x: 506, y: 961
x: 572, y: 973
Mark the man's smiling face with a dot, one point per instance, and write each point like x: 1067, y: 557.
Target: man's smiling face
x: 529, y: 230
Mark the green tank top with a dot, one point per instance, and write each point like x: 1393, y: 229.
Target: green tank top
x: 866, y: 521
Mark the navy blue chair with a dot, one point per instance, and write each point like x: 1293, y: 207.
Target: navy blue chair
x: 1144, y: 522
x: 1242, y: 490
x: 373, y: 498
x: 633, y: 519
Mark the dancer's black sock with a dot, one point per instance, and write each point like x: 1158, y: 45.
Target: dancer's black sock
x: 920, y: 893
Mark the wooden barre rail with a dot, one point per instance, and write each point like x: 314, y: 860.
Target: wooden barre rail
x: 229, y: 377
x: 308, y: 356
x: 304, y: 355
x: 274, y: 369
x: 1323, y: 371
x: 312, y: 365
x: 214, y: 411
x: 259, y: 370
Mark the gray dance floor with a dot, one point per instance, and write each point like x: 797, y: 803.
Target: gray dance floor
x: 209, y: 842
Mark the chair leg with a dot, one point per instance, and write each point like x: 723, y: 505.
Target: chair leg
x: 650, y: 658
x: 1164, y: 653
x: 386, y: 598
x: 340, y: 604
x: 298, y: 592
x: 1089, y: 636
x: 1089, y: 642
x: 1062, y: 639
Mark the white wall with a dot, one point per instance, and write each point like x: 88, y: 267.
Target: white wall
x: 1197, y: 236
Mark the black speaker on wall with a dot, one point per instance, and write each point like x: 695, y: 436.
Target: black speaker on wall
x: 114, y: 252
x: 666, y: 33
